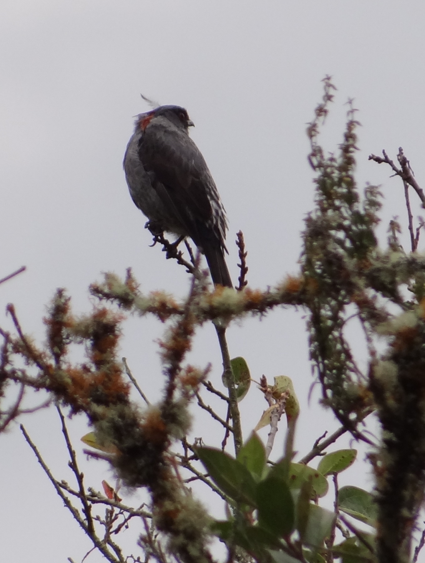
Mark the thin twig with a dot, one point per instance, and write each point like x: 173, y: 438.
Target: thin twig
x: 229, y: 378
x: 190, y: 251
x: 419, y: 547
x: 409, y: 216
x: 209, y: 386
x: 13, y: 274
x: 318, y: 448
x: 211, y: 412
x: 96, y: 541
x: 198, y: 475
x: 133, y: 381
x: 405, y: 172
x: 418, y: 231
x: 171, y: 251
x: 96, y: 498
x: 357, y: 533
x: 275, y: 416
x: 13, y: 411
x: 78, y: 475
x: 227, y: 432
x: 31, y: 352
x: 408, y: 175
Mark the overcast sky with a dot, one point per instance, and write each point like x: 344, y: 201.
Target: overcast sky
x: 249, y: 74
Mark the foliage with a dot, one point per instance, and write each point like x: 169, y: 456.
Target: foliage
x: 273, y: 509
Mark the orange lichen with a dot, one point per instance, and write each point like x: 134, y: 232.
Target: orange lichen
x: 163, y: 304
x: 190, y: 378
x: 254, y: 296
x: 130, y: 282
x: 154, y: 428
x: 292, y: 284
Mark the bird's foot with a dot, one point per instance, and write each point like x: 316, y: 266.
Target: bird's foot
x: 157, y: 232
x: 158, y: 237
x: 170, y: 248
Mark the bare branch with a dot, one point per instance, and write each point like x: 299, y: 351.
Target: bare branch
x: 134, y: 381
x: 275, y: 416
x: 78, y: 475
x: 98, y: 543
x: 229, y: 378
x: 10, y: 276
x: 212, y: 413
x: 405, y: 172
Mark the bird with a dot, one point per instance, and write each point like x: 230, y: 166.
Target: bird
x: 169, y: 181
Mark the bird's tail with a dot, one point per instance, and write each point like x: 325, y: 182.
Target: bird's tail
x: 217, y: 265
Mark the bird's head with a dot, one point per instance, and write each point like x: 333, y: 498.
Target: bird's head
x: 176, y: 114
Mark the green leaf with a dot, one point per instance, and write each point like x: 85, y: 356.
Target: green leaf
x: 223, y: 529
x: 252, y: 539
x: 298, y: 474
x: 253, y: 455
x: 266, y: 417
x: 241, y: 376
x: 276, y: 511
x: 314, y: 557
x: 282, y: 557
x: 91, y: 440
x: 231, y: 476
x: 303, y: 507
x: 319, y: 525
x: 262, y: 537
x: 282, y: 384
x: 336, y: 462
x: 352, y: 550
x: 358, y: 503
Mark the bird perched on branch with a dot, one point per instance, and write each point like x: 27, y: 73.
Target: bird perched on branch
x: 170, y: 183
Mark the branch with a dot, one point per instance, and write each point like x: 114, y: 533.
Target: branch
x: 97, y: 498
x: 319, y: 448
x: 78, y: 475
x: 10, y: 276
x: 134, y: 382
x: 419, y: 547
x: 200, y: 476
x: 413, y: 242
x: 209, y: 386
x: 228, y: 376
x: 13, y: 412
x: 96, y: 541
x: 171, y: 250
x: 362, y: 539
x: 405, y: 172
x: 212, y: 413
x: 275, y: 416
x: 32, y: 353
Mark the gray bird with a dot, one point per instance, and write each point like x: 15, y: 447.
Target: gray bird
x: 170, y: 183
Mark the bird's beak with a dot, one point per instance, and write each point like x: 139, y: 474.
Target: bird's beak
x: 190, y: 123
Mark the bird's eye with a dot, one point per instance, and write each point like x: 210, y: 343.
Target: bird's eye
x: 183, y: 116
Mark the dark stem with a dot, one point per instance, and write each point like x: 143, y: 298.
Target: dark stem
x: 228, y: 376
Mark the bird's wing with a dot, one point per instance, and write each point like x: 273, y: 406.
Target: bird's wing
x: 179, y: 173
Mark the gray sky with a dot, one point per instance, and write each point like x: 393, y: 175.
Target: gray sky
x: 249, y: 74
